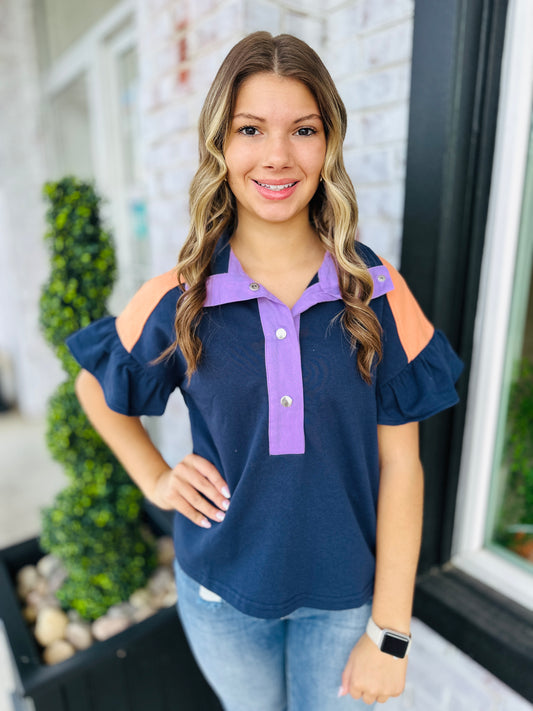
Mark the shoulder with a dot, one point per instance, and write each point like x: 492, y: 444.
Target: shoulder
x: 413, y: 328
x: 157, y: 297
x: 369, y: 257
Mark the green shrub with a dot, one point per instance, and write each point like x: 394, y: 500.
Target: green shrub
x: 94, y: 523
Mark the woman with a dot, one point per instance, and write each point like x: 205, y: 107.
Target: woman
x: 305, y: 364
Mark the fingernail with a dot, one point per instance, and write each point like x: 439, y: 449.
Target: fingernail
x: 340, y: 692
x: 225, y: 491
x: 220, y: 516
x: 225, y: 505
x: 205, y: 523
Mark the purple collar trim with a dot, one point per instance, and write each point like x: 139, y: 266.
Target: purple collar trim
x: 281, y: 329
x: 235, y: 285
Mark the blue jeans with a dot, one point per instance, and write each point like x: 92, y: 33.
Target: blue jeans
x: 293, y: 663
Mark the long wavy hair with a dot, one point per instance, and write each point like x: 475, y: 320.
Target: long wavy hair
x: 332, y: 210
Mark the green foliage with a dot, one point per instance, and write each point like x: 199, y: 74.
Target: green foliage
x: 94, y: 524
x: 516, y: 516
x: 519, y: 445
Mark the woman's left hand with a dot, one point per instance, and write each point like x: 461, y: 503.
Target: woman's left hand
x: 372, y: 675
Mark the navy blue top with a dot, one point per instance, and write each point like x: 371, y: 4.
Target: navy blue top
x: 278, y: 406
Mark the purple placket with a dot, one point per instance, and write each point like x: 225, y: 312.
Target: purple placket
x: 281, y: 329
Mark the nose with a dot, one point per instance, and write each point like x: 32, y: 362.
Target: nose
x: 277, y: 152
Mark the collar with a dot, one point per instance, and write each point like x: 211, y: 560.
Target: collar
x: 229, y: 283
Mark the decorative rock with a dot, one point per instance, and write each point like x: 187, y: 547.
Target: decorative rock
x: 42, y: 587
x: 79, y: 635
x: 58, y: 651
x: 50, y: 625
x: 160, y: 581
x: 140, y: 598
x: 30, y: 614
x: 142, y: 613
x: 48, y: 564
x: 170, y: 598
x: 74, y: 616
x: 165, y: 550
x: 105, y: 627
x: 40, y: 600
x: 121, y: 610
x: 27, y: 578
x: 51, y: 569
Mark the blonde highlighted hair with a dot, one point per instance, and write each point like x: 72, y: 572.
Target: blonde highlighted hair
x: 332, y: 211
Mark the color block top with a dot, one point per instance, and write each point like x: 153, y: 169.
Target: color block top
x: 278, y: 406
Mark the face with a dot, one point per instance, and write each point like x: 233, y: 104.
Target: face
x: 275, y: 150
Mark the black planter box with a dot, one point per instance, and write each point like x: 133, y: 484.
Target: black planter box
x: 148, y: 667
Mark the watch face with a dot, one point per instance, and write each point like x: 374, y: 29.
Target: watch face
x: 397, y: 646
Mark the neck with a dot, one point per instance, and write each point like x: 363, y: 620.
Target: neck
x: 275, y: 244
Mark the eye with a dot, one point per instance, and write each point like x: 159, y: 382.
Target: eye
x: 248, y: 131
x: 306, y: 131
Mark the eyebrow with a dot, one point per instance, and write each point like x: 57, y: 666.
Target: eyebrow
x: 252, y: 117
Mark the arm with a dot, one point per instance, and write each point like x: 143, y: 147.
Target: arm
x: 168, y: 488
x: 371, y: 674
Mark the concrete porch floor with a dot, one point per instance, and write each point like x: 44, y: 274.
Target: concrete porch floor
x: 29, y: 480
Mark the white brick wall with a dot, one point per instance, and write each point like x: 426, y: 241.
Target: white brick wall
x: 24, y: 260
x: 368, y: 51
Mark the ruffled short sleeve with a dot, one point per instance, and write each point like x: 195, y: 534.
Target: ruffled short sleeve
x: 123, y: 353
x: 418, y: 371
x: 423, y: 387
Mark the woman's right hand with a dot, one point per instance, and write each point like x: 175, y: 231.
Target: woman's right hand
x: 190, y: 488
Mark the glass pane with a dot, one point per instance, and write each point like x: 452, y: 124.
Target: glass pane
x: 129, y: 123
x: 128, y: 89
x: 511, y: 517
x: 59, y: 23
x: 72, y: 130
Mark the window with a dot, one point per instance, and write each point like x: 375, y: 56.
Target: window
x: 494, y: 525
x: 69, y: 109
x: 91, y: 98
x: 510, y: 513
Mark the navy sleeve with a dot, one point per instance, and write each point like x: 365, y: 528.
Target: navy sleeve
x: 418, y: 371
x: 123, y: 353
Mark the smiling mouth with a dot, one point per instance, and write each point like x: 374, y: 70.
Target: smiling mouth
x: 275, y: 188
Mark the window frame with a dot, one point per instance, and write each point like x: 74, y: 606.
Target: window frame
x: 455, y: 88
x: 469, y: 551
x: 93, y: 55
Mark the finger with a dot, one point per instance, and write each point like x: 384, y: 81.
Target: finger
x: 381, y: 699
x: 188, y: 473
x: 345, y: 683
x: 184, y: 508
x: 368, y: 698
x: 210, y: 472
x: 199, y: 503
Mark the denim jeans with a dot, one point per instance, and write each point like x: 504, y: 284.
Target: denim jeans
x: 293, y: 663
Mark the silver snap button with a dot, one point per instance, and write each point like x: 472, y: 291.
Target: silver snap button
x: 286, y: 401
x: 381, y: 278
x: 254, y: 286
x: 281, y: 333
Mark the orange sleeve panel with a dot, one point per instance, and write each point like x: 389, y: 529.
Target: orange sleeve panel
x: 414, y: 329
x: 131, y: 321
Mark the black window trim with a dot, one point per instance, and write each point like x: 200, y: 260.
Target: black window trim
x: 457, y: 52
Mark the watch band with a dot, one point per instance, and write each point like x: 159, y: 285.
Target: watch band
x: 388, y: 641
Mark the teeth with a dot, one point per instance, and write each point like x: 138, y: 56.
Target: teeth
x: 276, y: 187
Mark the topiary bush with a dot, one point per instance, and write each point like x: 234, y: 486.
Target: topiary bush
x: 94, y: 524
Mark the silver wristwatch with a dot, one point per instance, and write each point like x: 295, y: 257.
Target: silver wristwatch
x: 395, y: 643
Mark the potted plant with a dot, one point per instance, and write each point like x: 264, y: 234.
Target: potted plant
x: 94, y: 526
